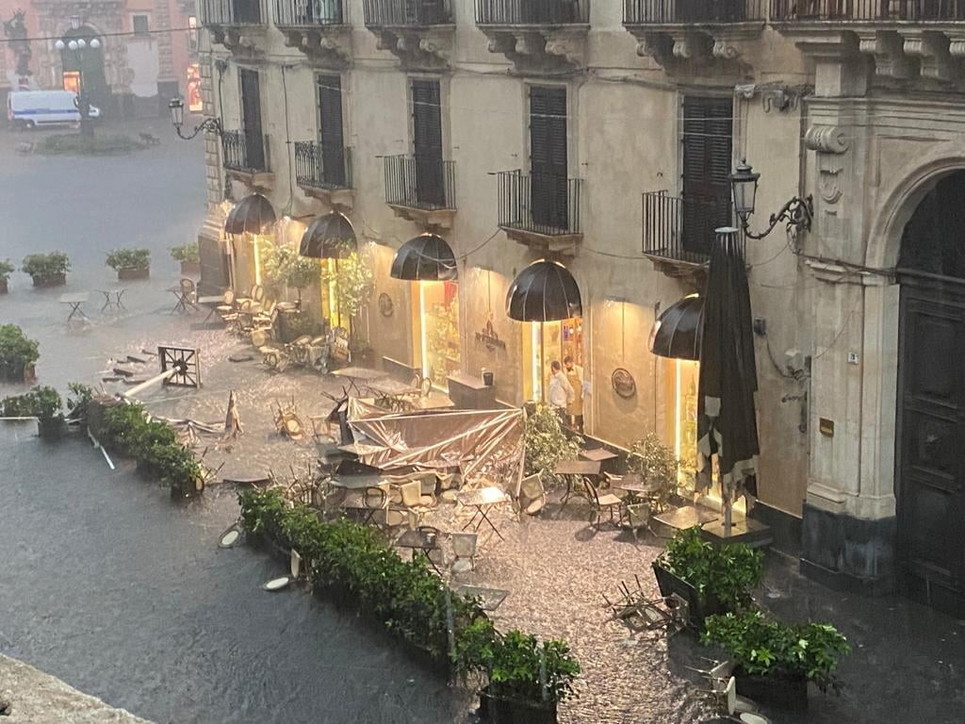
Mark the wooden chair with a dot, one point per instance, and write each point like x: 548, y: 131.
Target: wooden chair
x: 602, y: 502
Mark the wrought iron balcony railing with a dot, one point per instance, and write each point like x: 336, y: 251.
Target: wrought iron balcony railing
x: 532, y: 12
x: 420, y: 182
x: 245, y: 152
x: 233, y: 12
x: 406, y: 13
x: 845, y: 11
x: 682, y: 229
x: 542, y: 203
x: 322, y: 166
x: 710, y: 12
x: 307, y: 13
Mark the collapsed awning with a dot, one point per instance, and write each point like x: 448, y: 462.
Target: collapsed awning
x: 253, y: 214
x: 545, y: 291
x: 331, y: 236
x: 426, y: 258
x: 676, y: 333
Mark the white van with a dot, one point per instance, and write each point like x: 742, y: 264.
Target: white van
x: 30, y: 109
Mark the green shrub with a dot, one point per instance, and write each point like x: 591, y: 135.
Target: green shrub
x: 103, y: 144
x: 131, y: 258
x: 41, y: 402
x: 17, y: 352
x: 78, y: 399
x: 656, y: 464
x: 186, y: 252
x: 759, y: 645
x: 547, y: 443
x: 6, y: 269
x: 43, y: 266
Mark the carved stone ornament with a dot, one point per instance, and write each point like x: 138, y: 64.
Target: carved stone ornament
x: 828, y: 185
x: 826, y: 139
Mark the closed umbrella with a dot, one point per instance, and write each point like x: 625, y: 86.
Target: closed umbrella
x: 726, y: 417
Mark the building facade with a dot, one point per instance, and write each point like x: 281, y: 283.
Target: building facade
x: 601, y: 135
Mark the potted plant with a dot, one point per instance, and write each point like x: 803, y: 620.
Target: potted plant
x: 655, y: 463
x: 49, y: 410
x: 547, y: 443
x: 190, y: 257
x: 285, y: 268
x: 711, y: 578
x: 130, y: 263
x: 6, y: 269
x: 351, y: 279
x: 46, y: 270
x: 774, y: 662
x: 79, y: 399
x: 17, y: 354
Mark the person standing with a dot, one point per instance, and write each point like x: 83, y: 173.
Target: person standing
x: 574, y: 375
x: 560, y: 391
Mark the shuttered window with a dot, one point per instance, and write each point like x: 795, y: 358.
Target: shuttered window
x: 548, y: 161
x: 330, y: 131
x: 708, y: 132
x: 427, y: 141
x: 254, y: 148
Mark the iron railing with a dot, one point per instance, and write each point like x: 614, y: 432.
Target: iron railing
x: 670, y: 12
x: 532, y: 12
x: 407, y: 13
x: 543, y: 203
x: 233, y: 12
x: 307, y: 13
x: 680, y: 228
x: 245, y: 152
x: 322, y: 166
x: 789, y: 11
x: 420, y: 182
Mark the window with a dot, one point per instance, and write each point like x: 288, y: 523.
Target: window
x: 331, y: 135
x: 547, y: 156
x: 140, y: 24
x: 193, y: 33
x: 427, y: 142
x: 708, y: 132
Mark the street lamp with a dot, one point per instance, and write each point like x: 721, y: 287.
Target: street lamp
x: 797, y: 212
x: 80, y: 48
x: 177, y: 119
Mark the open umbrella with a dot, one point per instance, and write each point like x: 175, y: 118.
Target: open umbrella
x: 726, y: 419
x: 676, y: 333
x: 253, y: 214
x: 545, y: 291
x: 426, y: 258
x: 329, y: 237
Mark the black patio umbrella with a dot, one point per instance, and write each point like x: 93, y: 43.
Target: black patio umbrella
x: 675, y: 334
x: 545, y: 291
x: 331, y: 236
x: 726, y: 419
x: 426, y: 258
x: 253, y: 214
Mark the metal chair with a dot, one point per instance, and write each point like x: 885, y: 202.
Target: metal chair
x: 407, y: 501
x: 530, y: 495
x: 635, y: 517
x: 599, y: 503
x: 464, y: 552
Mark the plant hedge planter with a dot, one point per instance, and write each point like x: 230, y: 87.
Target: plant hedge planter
x: 3, y: 286
x: 190, y: 267
x: 777, y: 690
x: 699, y: 607
x: 52, y: 429
x: 129, y: 274
x: 507, y: 711
x: 50, y: 280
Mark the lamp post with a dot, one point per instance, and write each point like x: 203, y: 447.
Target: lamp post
x: 797, y: 212
x: 177, y: 119
x: 81, y: 50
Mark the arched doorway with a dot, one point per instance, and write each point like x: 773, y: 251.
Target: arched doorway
x: 930, y: 439
x: 91, y: 62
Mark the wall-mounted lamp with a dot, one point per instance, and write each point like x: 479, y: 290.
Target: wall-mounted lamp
x: 797, y: 212
x: 177, y: 118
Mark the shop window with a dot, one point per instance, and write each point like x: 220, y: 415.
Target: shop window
x: 439, y: 330
x: 140, y: 24
x: 543, y: 343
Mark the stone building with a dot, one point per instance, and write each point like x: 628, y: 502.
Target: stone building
x: 148, y: 52
x: 601, y: 135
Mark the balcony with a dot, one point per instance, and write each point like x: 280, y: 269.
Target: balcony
x: 247, y: 159
x: 541, y: 210
x: 905, y: 37
x: 421, y: 189
x: 317, y: 28
x: 537, y: 35
x: 687, y: 32
x: 678, y: 232
x: 418, y: 32
x: 236, y: 24
x: 324, y: 172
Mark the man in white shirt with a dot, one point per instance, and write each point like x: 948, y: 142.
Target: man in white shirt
x: 560, y: 391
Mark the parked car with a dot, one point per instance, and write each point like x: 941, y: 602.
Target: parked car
x: 31, y: 109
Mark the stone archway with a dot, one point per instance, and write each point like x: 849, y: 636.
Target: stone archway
x: 90, y: 63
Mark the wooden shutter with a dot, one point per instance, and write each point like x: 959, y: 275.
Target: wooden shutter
x: 708, y: 131
x: 427, y: 142
x: 330, y: 131
x: 547, y: 156
x: 254, y: 149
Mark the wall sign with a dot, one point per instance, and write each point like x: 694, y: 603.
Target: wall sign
x: 386, y: 307
x: 623, y: 383
x: 826, y: 427
x: 489, y: 338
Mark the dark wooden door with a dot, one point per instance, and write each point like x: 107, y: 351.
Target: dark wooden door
x: 330, y: 131
x: 547, y: 156
x: 708, y: 131
x: 427, y: 143
x: 931, y: 440
x: 251, y: 120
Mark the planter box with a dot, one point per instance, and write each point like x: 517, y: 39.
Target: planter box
x: 190, y: 268
x: 506, y: 711
x: 129, y: 274
x: 52, y: 429
x: 53, y: 280
x: 777, y: 690
x: 3, y: 286
x: 699, y: 607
